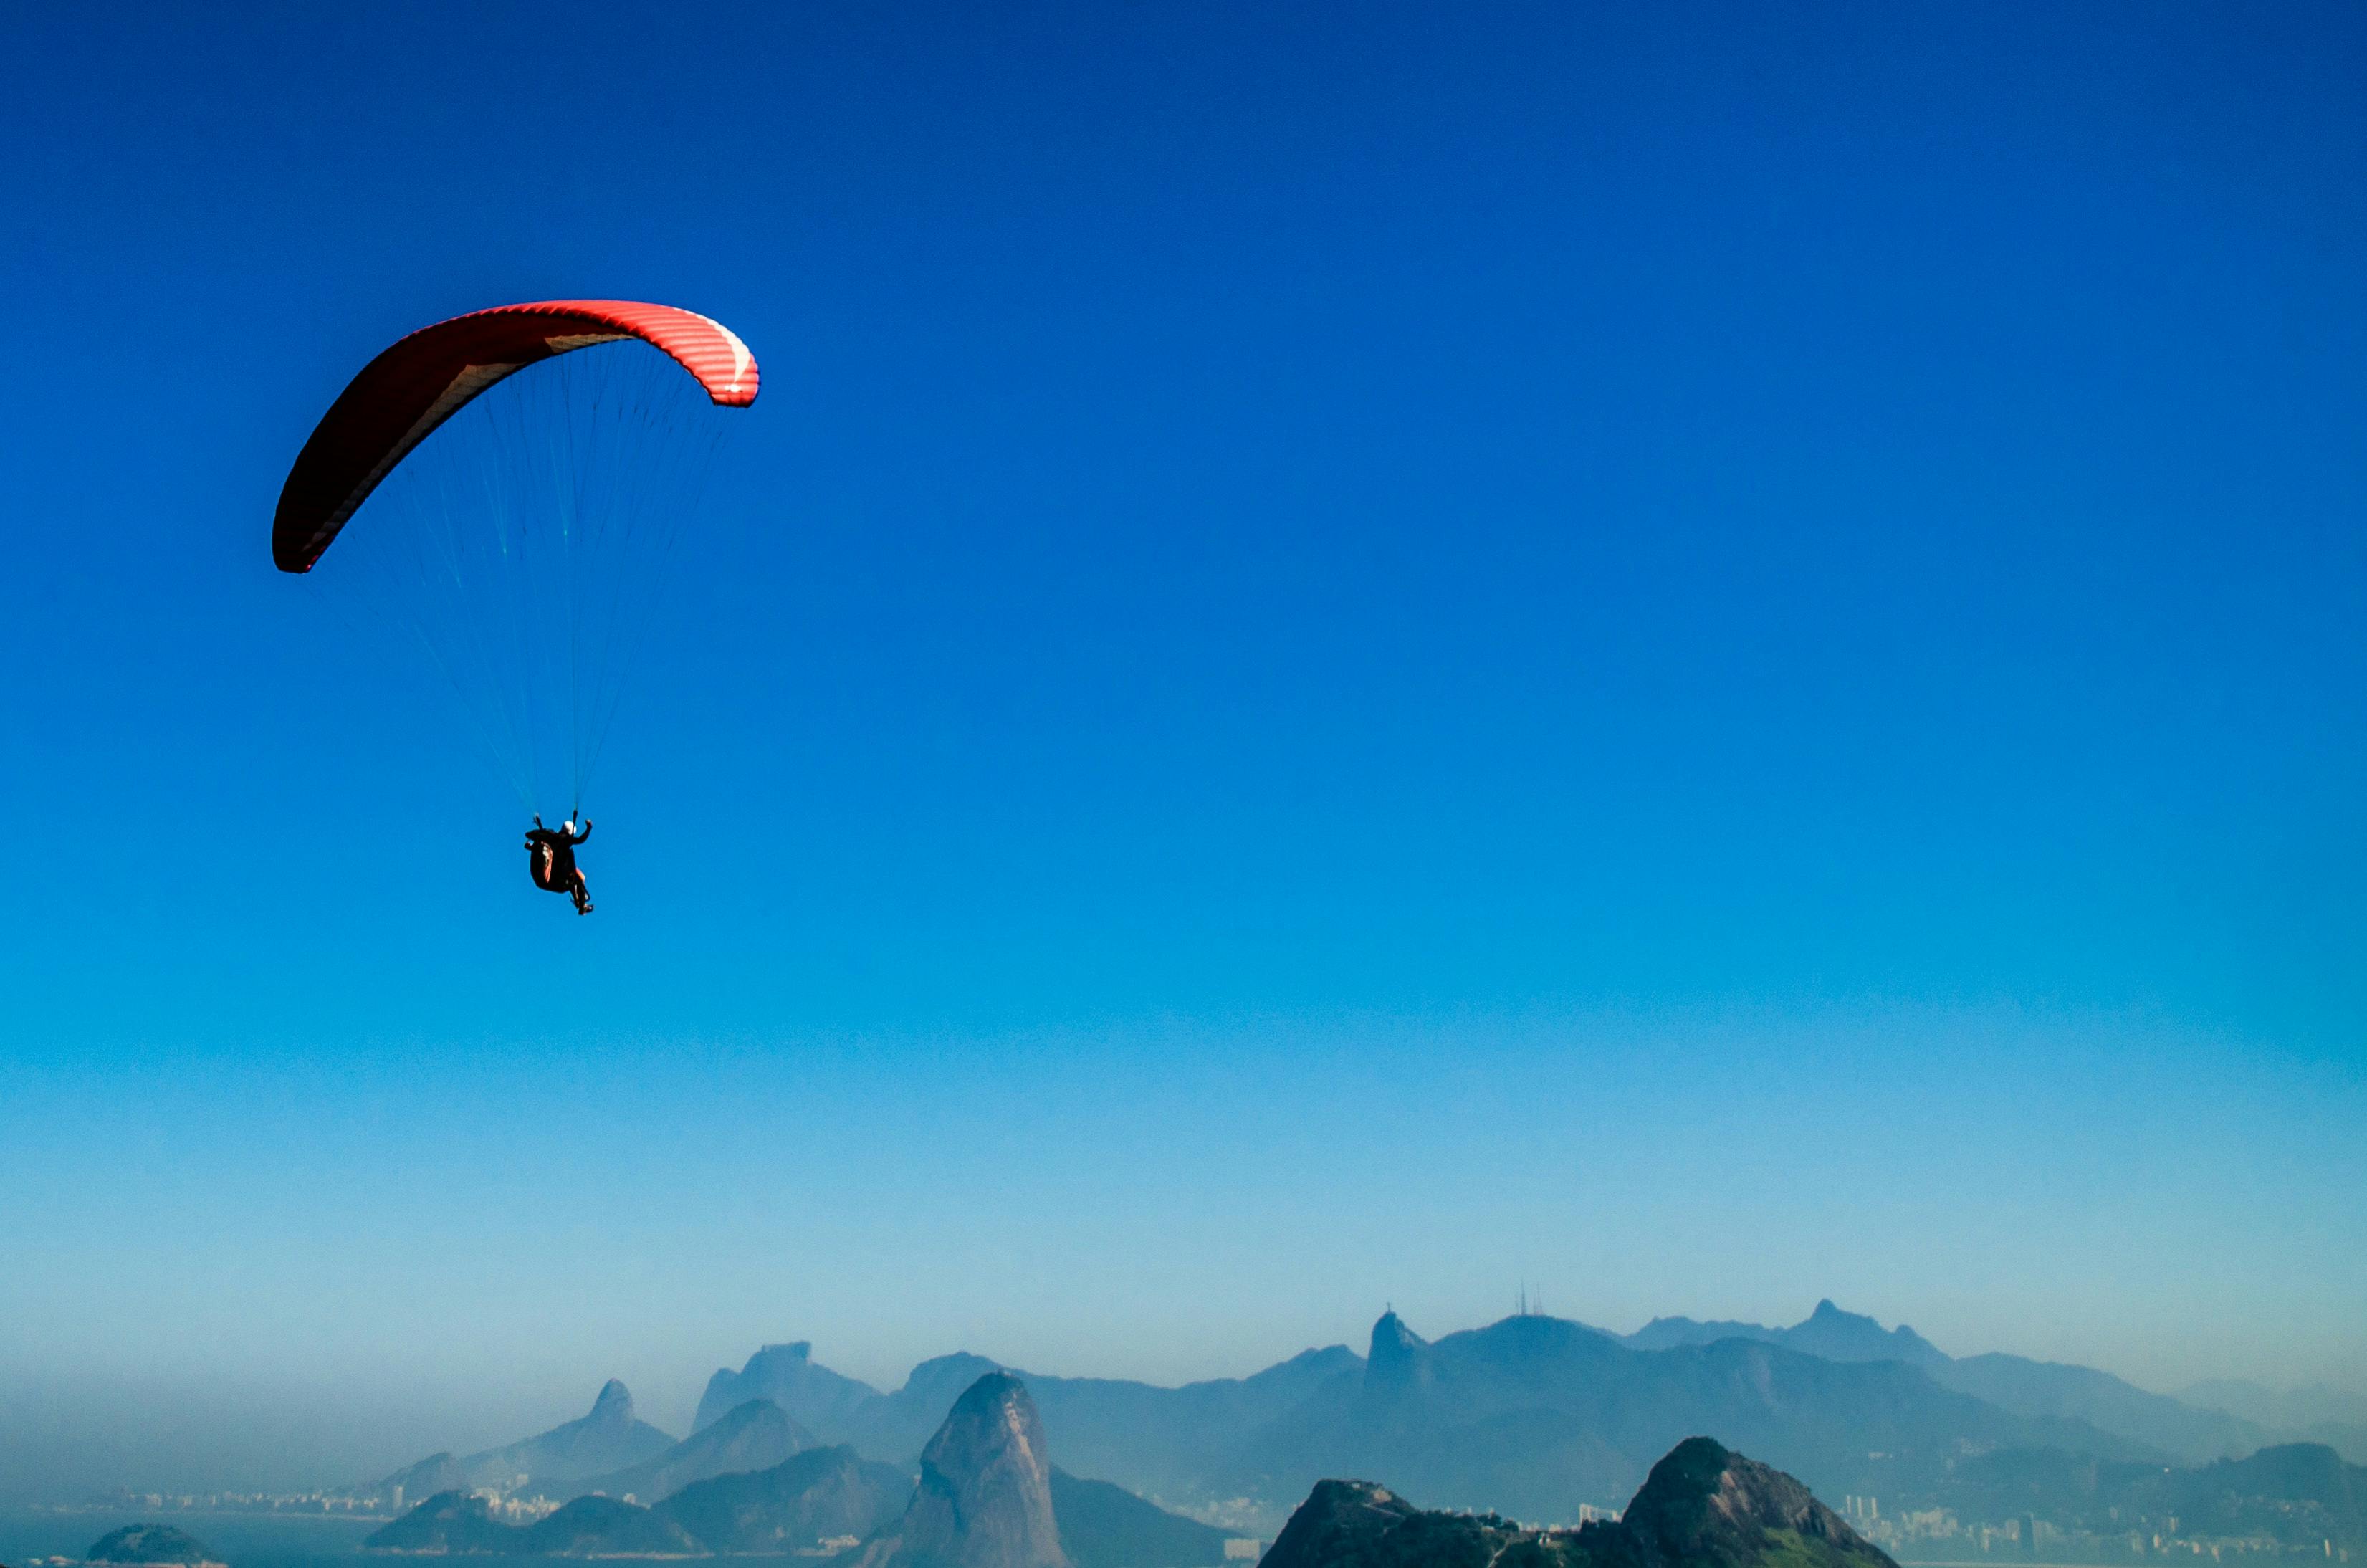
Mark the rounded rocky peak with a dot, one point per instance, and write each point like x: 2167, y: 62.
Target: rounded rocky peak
x: 614, y: 1404
x: 994, y: 1388
x: 1399, y: 1356
x: 146, y: 1543
x: 1391, y: 1336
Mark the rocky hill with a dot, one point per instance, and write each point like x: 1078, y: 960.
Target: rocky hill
x: 450, y: 1523
x: 1356, y: 1524
x: 1702, y: 1507
x: 2317, y: 1412
x: 985, y: 1493
x: 988, y: 1498
x: 824, y: 1401
x: 1139, y: 1435
x: 150, y: 1545
x: 608, y: 1438
x: 820, y: 1494
x: 755, y: 1435
x: 607, y: 1527
x: 1105, y: 1526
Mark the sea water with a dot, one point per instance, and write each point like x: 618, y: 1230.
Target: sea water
x: 241, y: 1540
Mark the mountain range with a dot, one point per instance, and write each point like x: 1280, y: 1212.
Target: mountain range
x: 986, y: 1496
x: 1532, y: 1415
x: 751, y: 1437
x: 1200, y: 1439
x: 606, y: 1440
x: 2014, y: 1383
x: 2317, y: 1412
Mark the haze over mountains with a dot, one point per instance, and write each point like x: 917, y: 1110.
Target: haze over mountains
x: 985, y: 1495
x: 608, y: 1438
x: 1535, y: 1415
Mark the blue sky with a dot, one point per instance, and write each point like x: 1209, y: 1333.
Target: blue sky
x: 1344, y: 662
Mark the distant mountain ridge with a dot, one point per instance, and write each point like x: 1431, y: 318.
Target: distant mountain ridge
x: 755, y: 1435
x: 609, y: 1438
x: 1533, y: 1414
x: 1518, y: 1414
x: 1163, y: 1441
x: 2317, y: 1412
x: 1537, y: 1416
x: 987, y: 1497
x: 1827, y: 1332
x: 1139, y: 1435
x: 1105, y: 1526
x: 819, y: 1494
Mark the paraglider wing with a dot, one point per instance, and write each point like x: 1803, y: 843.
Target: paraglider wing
x: 403, y: 395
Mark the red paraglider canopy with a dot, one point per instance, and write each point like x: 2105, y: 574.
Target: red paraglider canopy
x: 403, y: 395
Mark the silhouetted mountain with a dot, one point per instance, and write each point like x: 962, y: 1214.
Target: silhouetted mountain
x: 819, y: 1494
x: 1534, y: 1417
x: 2318, y: 1412
x: 2289, y: 1410
x: 1156, y: 1440
x: 1828, y: 1332
x: 607, y: 1527
x: 814, y: 1396
x: 1355, y: 1524
x: 1702, y: 1507
x: 755, y: 1435
x: 1140, y: 1436
x: 1105, y: 1526
x: 608, y: 1439
x: 2012, y: 1383
x: 451, y: 1524
x: 2082, y: 1393
x: 436, y: 1472
x: 151, y: 1544
x: 985, y: 1497
x: 2296, y: 1492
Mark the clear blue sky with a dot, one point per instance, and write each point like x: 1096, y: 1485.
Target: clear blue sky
x: 1702, y: 655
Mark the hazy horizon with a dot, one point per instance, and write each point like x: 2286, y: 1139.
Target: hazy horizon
x: 492, y: 1291
x: 297, y: 1434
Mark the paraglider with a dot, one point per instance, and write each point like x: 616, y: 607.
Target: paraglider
x: 553, y: 866
x: 528, y: 471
